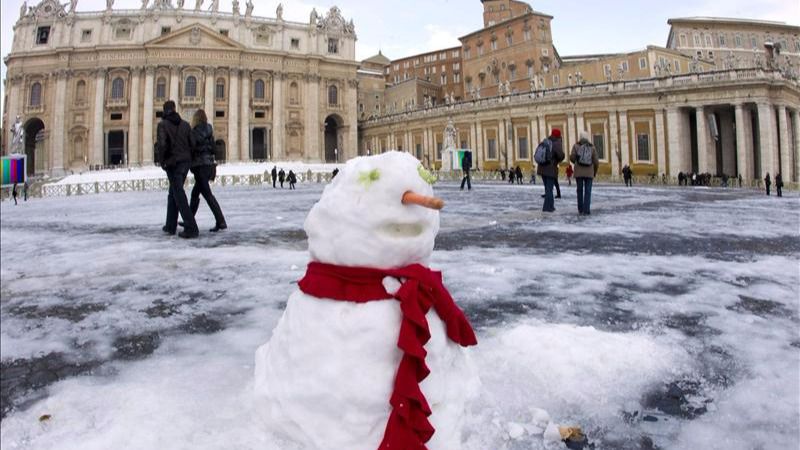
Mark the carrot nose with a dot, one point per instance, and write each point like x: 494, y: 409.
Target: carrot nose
x: 412, y: 198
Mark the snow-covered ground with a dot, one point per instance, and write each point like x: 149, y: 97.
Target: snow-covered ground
x: 668, y: 318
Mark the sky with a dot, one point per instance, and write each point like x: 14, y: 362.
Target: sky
x: 579, y: 27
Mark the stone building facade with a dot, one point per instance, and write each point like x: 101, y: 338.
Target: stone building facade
x: 88, y: 86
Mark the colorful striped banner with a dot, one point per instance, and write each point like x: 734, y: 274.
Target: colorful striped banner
x: 13, y: 170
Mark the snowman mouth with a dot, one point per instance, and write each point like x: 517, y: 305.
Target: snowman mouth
x: 402, y: 230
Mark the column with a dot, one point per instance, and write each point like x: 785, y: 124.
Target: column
x: 244, y: 135
x: 147, y: 117
x: 535, y: 136
x: 14, y: 86
x: 277, y: 116
x: 766, y: 139
x: 478, y: 157
x: 351, y: 119
x: 581, y: 126
x: 702, y: 140
x: 502, y: 144
x: 571, y: 131
x: 57, y: 142
x: 796, y: 152
x: 623, y: 139
x: 208, y: 100
x: 786, y: 153
x: 675, y: 131
x: 661, y: 142
x: 743, y: 147
x: 98, y: 145
x: 314, y: 151
x: 728, y: 138
x: 174, y: 86
x: 134, y: 147
x: 613, y: 141
x: 233, y: 116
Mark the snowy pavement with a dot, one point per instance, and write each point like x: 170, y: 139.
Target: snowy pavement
x: 670, y: 318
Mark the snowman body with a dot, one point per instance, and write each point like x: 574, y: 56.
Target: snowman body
x: 325, y: 377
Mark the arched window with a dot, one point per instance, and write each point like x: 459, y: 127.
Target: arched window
x: 161, y: 88
x: 333, y: 95
x: 80, y: 92
x: 36, y: 94
x: 258, y: 90
x: 294, y: 97
x: 219, y: 93
x: 117, y: 88
x: 190, y: 87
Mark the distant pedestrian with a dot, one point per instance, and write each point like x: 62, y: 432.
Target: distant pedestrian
x: 767, y: 182
x: 779, y: 184
x: 25, y: 190
x: 334, y: 173
x: 512, y: 175
x: 466, y: 166
x: 740, y: 180
x: 281, y: 177
x: 274, y: 174
x: 570, y: 172
x: 627, y: 175
x: 292, y: 179
x: 14, y: 193
x: 533, y: 177
x: 584, y: 156
x: 204, y: 169
x: 680, y: 178
x: 548, y: 168
x: 503, y: 174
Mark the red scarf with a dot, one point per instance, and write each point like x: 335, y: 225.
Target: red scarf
x: 408, y: 427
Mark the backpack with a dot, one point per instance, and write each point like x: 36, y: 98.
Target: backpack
x: 584, y: 153
x: 544, y: 152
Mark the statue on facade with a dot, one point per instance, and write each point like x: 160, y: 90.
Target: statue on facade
x: 144, y: 4
x: 508, y: 87
x: 478, y: 93
x: 180, y: 4
x: 450, y: 135
x: 532, y: 84
x: 109, y: 5
x: 279, y: 11
x: 214, y: 6
x: 236, y: 7
x: 23, y: 9
x: 314, y: 16
x: 17, y: 136
x: 248, y: 10
x: 72, y: 5
x: 198, y: 4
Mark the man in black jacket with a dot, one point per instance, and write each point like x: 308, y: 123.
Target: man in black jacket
x: 549, y: 171
x: 274, y: 175
x: 466, y: 166
x: 175, y: 149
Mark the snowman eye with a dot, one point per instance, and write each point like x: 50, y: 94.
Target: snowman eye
x: 425, y: 175
x: 368, y: 177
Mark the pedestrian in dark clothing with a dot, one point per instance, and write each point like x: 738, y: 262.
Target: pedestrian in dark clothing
x: 779, y: 184
x: 503, y: 174
x: 466, y: 166
x: 584, y: 156
x: 512, y: 175
x: 740, y: 180
x: 204, y: 168
x: 767, y: 182
x: 14, y: 193
x: 627, y: 175
x: 680, y: 178
x: 175, y: 150
x: 519, y: 175
x: 292, y: 179
x: 274, y: 175
x: 334, y: 173
x: 25, y: 190
x: 549, y: 171
x: 281, y: 177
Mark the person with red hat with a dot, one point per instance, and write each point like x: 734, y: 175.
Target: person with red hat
x: 548, y: 169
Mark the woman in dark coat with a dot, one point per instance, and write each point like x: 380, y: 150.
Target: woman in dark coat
x: 203, y: 168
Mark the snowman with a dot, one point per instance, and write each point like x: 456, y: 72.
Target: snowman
x: 369, y: 353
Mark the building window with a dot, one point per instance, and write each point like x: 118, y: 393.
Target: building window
x: 190, y: 87
x: 122, y: 33
x: 224, y: 32
x: 86, y: 35
x: 697, y: 40
x: 456, y: 77
x: 643, y: 63
x: 333, y: 95
x: 260, y: 114
x: 738, y: 41
x: 259, y: 89
x: 722, y: 40
x: 117, y: 88
x: 439, y: 151
x: 643, y: 147
x: 491, y: 147
x: 625, y: 67
x: 161, y: 88
x: 556, y: 80
x: 419, y: 151
x: 116, y: 116
x: 494, y: 45
x: 526, y: 35
x: 512, y: 72
x: 36, y: 94
x: 294, y: 94
x: 607, y: 70
x: 677, y: 66
x: 444, y: 79
x: 220, y: 113
x: 709, y: 42
x: 219, y: 91
x: 683, y: 41
x: 510, y: 40
x: 710, y: 55
x: 42, y: 35
x: 295, y: 44
x: 599, y: 145
x: 522, y: 144
x: 80, y: 92
x: 466, y: 53
x: 333, y: 46
x: 165, y: 30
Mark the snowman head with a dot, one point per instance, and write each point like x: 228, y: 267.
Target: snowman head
x: 362, y: 220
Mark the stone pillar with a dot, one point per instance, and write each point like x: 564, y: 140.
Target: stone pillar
x: 743, y: 147
x: 624, y: 148
x: 570, y: 132
x: 728, y: 137
x: 313, y: 151
x: 502, y: 145
x: 767, y: 139
x: 174, y: 86
x: 350, y: 119
x: 786, y: 153
x: 244, y: 134
x: 147, y: 117
x: 613, y: 147
x: 14, y: 87
x: 478, y: 157
x: 134, y: 147
x: 233, y: 116
x: 208, y: 100
x: 57, y: 141
x: 279, y: 131
x: 661, y: 142
x: 581, y: 126
x: 796, y: 152
x: 98, y: 142
x: 702, y: 140
x: 536, y: 137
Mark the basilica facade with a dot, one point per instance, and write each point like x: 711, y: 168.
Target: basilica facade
x: 87, y: 88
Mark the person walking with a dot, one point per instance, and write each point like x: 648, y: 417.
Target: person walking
x: 175, y: 148
x: 14, y: 193
x: 627, y: 175
x: 512, y: 175
x: 292, y: 179
x: 767, y: 182
x: 740, y: 180
x: 584, y: 156
x: 520, y: 177
x: 779, y: 184
x: 204, y: 168
x: 570, y: 172
x: 466, y: 166
x: 548, y: 170
x: 274, y: 175
x: 281, y: 177
x: 25, y: 190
